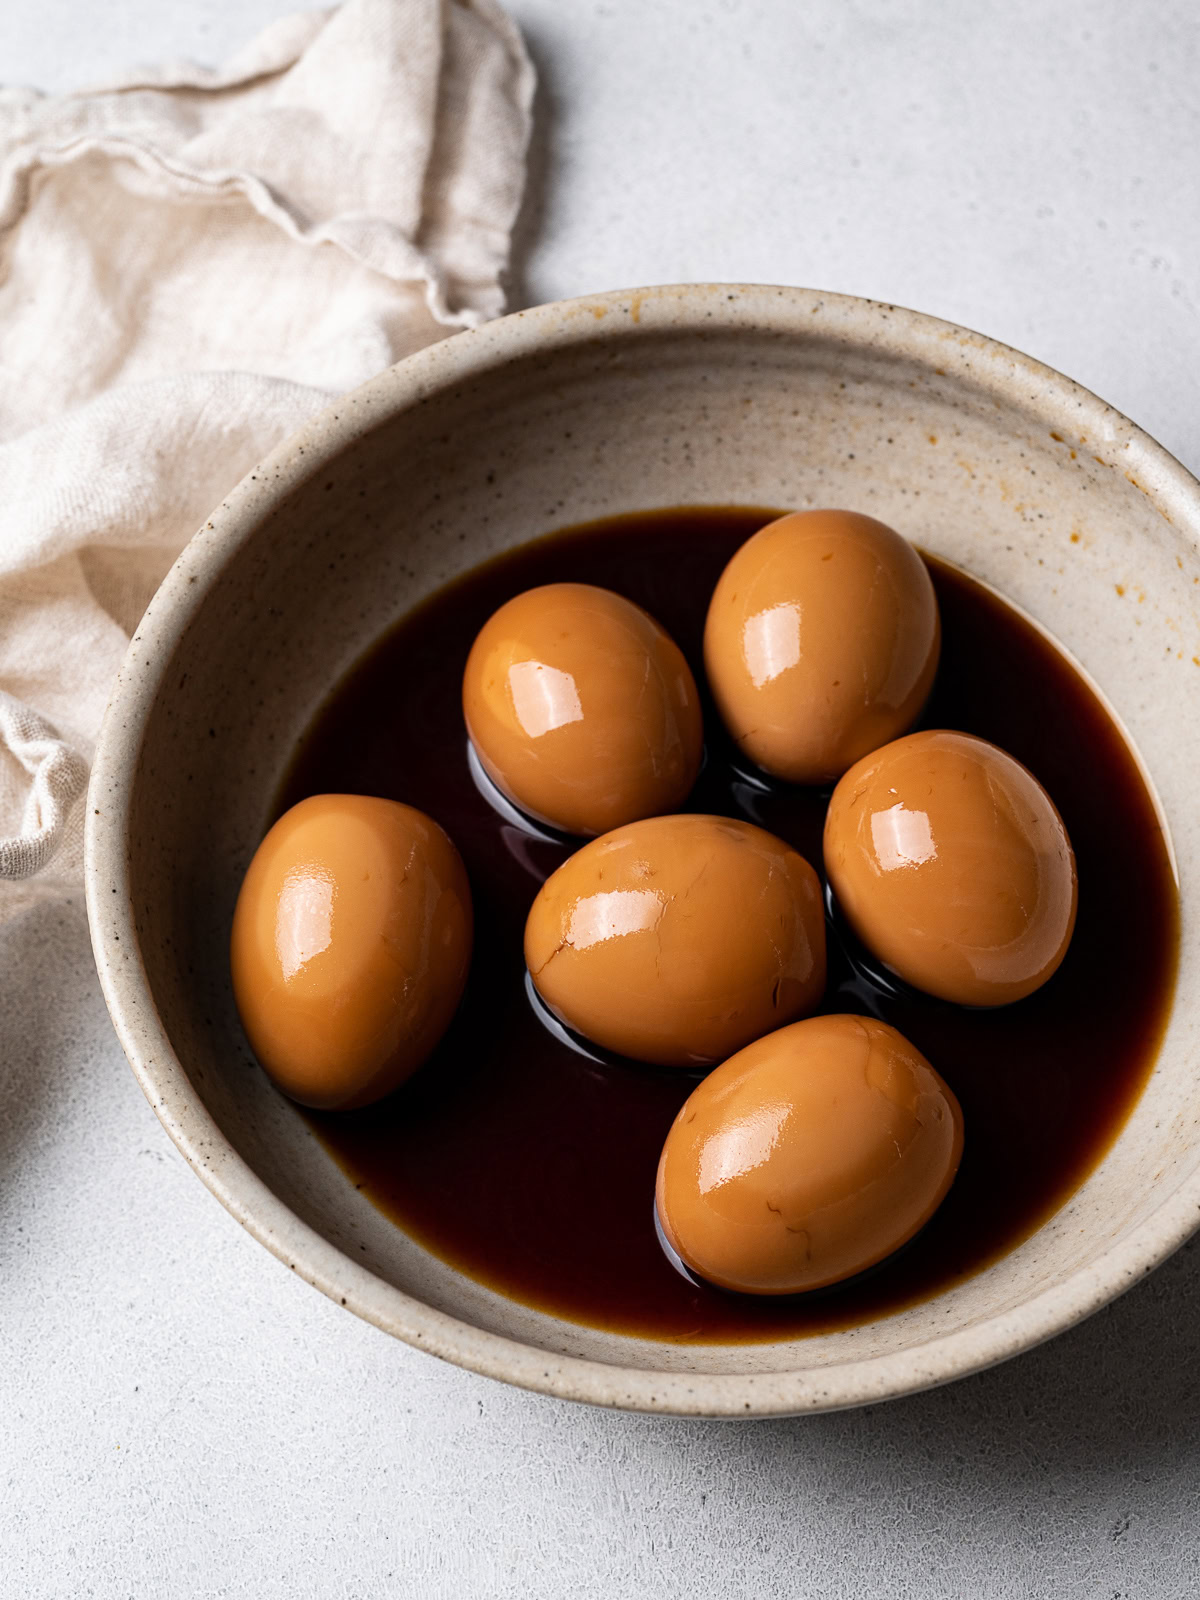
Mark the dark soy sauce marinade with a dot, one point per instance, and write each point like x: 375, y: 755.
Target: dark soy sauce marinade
x: 532, y: 1168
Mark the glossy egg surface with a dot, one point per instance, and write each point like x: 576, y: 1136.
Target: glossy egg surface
x: 581, y: 709
x: 807, y: 1158
x: 821, y: 642
x: 678, y: 939
x: 951, y: 864
x: 350, y: 947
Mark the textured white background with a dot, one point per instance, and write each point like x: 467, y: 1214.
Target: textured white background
x: 181, y: 1416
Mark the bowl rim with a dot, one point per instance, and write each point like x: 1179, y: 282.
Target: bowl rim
x: 994, y: 368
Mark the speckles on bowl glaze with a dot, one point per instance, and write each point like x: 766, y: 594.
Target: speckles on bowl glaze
x: 585, y: 417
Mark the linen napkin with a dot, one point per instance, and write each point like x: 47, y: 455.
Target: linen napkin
x: 192, y: 262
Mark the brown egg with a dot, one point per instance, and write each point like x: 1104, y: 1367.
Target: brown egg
x: 582, y: 710
x: 351, y: 942
x: 678, y: 939
x: 952, y: 866
x: 821, y: 642
x: 808, y: 1157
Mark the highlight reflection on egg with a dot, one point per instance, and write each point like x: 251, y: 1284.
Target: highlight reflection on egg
x: 581, y: 709
x: 350, y: 947
x: 821, y: 642
x: 808, y: 1157
x: 678, y: 939
x: 950, y: 862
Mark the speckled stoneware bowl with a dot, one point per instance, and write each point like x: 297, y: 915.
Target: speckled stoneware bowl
x: 715, y: 394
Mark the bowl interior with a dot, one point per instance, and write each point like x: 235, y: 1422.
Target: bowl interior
x: 556, y: 417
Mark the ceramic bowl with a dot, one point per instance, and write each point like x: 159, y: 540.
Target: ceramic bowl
x: 625, y: 401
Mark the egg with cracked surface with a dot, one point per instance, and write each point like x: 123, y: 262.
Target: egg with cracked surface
x: 350, y: 947
x: 582, y: 709
x: 807, y: 1158
x: 951, y: 864
x: 821, y: 642
x: 678, y: 939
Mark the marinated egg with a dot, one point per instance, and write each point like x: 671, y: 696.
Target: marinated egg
x: 807, y: 1157
x: 581, y: 709
x: 676, y: 940
x: 951, y: 864
x: 351, y: 942
x: 821, y: 642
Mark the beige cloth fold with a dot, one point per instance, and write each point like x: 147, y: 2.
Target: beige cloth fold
x: 193, y: 262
